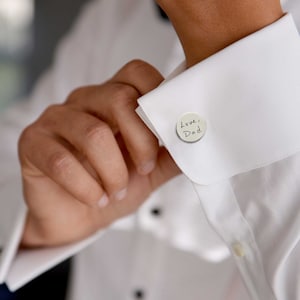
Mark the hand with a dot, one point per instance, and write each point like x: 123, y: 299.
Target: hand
x: 207, y: 26
x: 91, y: 160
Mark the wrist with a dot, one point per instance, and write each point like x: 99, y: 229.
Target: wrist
x: 206, y: 28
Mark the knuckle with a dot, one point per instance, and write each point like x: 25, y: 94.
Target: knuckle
x: 97, y: 132
x: 77, y: 94
x: 50, y: 116
x: 124, y: 96
x: 135, y: 65
x: 27, y: 135
x: 51, y: 110
x: 59, y: 163
x: 27, y: 140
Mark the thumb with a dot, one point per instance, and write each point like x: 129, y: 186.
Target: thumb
x: 165, y: 169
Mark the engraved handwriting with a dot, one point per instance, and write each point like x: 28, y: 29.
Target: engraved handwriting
x: 190, y: 123
x: 188, y: 133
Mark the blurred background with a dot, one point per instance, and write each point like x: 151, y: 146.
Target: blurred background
x: 16, y: 43
x: 29, y: 32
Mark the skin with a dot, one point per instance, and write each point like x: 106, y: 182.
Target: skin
x: 205, y: 27
x: 90, y: 161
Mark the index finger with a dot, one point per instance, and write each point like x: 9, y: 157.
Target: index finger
x: 140, y: 75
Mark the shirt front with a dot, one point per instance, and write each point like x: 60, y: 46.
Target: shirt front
x: 242, y: 175
x: 252, y: 130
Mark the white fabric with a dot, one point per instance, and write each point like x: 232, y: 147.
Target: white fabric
x: 244, y: 173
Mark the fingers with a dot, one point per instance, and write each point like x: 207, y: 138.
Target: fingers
x: 89, y: 121
x: 80, y: 153
x: 98, y: 99
x: 115, y: 103
x: 95, y: 140
x: 141, y: 144
x: 48, y: 156
x: 139, y: 74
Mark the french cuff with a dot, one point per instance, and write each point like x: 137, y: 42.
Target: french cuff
x: 28, y: 264
x: 248, y: 98
x: 18, y: 267
x: 12, y: 219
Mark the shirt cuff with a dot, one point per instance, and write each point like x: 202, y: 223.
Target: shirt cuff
x: 12, y: 218
x: 248, y: 94
x: 18, y: 267
x: 28, y: 264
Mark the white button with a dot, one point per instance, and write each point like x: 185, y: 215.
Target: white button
x: 191, y: 127
x: 238, y: 250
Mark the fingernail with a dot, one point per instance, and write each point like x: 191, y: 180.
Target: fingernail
x: 120, y: 195
x: 103, y: 202
x: 147, y: 167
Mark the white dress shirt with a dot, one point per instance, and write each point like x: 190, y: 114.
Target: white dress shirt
x: 228, y: 228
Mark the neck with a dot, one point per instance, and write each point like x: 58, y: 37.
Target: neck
x: 206, y: 27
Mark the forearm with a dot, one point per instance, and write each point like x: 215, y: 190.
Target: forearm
x: 205, y: 27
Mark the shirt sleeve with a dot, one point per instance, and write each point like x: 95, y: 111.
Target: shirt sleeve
x: 247, y: 95
x: 19, y: 267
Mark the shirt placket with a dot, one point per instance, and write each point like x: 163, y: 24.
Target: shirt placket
x: 147, y: 260
x: 223, y: 213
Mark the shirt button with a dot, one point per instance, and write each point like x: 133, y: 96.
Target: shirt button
x: 238, y: 250
x: 139, y: 294
x: 191, y: 127
x: 156, y: 211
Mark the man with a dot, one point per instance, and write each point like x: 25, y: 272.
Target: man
x: 228, y: 121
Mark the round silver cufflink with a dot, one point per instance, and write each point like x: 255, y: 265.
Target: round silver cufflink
x: 191, y: 127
